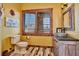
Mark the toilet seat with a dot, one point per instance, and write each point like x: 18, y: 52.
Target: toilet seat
x: 22, y: 44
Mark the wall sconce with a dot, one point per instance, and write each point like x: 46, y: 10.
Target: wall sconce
x: 64, y: 5
x: 12, y: 12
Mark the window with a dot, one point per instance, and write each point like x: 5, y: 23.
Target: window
x: 44, y: 22
x: 29, y: 22
x: 37, y: 22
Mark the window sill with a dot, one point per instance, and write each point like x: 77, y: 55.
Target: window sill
x: 38, y: 34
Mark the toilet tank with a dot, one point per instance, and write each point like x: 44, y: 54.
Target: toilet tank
x: 15, y: 39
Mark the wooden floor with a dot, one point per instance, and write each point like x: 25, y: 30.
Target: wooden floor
x: 36, y: 51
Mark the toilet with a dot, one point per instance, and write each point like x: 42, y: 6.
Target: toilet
x: 20, y: 46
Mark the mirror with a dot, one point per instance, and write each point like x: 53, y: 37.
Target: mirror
x: 68, y: 17
x: 67, y: 20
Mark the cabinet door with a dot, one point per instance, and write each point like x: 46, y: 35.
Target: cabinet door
x: 70, y: 48
x: 67, y: 48
x: 56, y: 48
x: 77, y: 49
x: 61, y: 49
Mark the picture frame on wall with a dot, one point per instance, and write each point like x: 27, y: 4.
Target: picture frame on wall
x: 11, y: 22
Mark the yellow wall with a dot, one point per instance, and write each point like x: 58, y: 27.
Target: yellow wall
x: 8, y: 32
x: 57, y: 22
x: 6, y: 44
x: 34, y: 40
x: 57, y: 16
x: 11, y: 31
x: 77, y: 17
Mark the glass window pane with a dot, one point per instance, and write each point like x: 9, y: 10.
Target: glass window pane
x: 44, y: 22
x: 29, y: 22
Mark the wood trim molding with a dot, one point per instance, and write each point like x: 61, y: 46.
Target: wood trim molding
x: 71, y: 16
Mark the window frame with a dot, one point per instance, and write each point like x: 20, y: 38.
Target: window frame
x: 36, y: 33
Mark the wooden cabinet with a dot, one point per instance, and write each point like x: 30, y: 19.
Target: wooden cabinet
x: 56, y: 48
x: 77, y: 48
x: 66, y: 48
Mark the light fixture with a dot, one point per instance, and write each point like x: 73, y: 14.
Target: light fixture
x: 64, y: 5
x: 12, y: 12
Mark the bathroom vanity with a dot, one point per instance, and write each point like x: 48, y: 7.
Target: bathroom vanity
x: 66, y: 46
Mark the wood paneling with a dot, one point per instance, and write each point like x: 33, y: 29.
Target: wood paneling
x: 77, y: 49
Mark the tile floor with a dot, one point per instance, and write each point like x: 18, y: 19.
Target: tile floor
x: 35, y: 51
